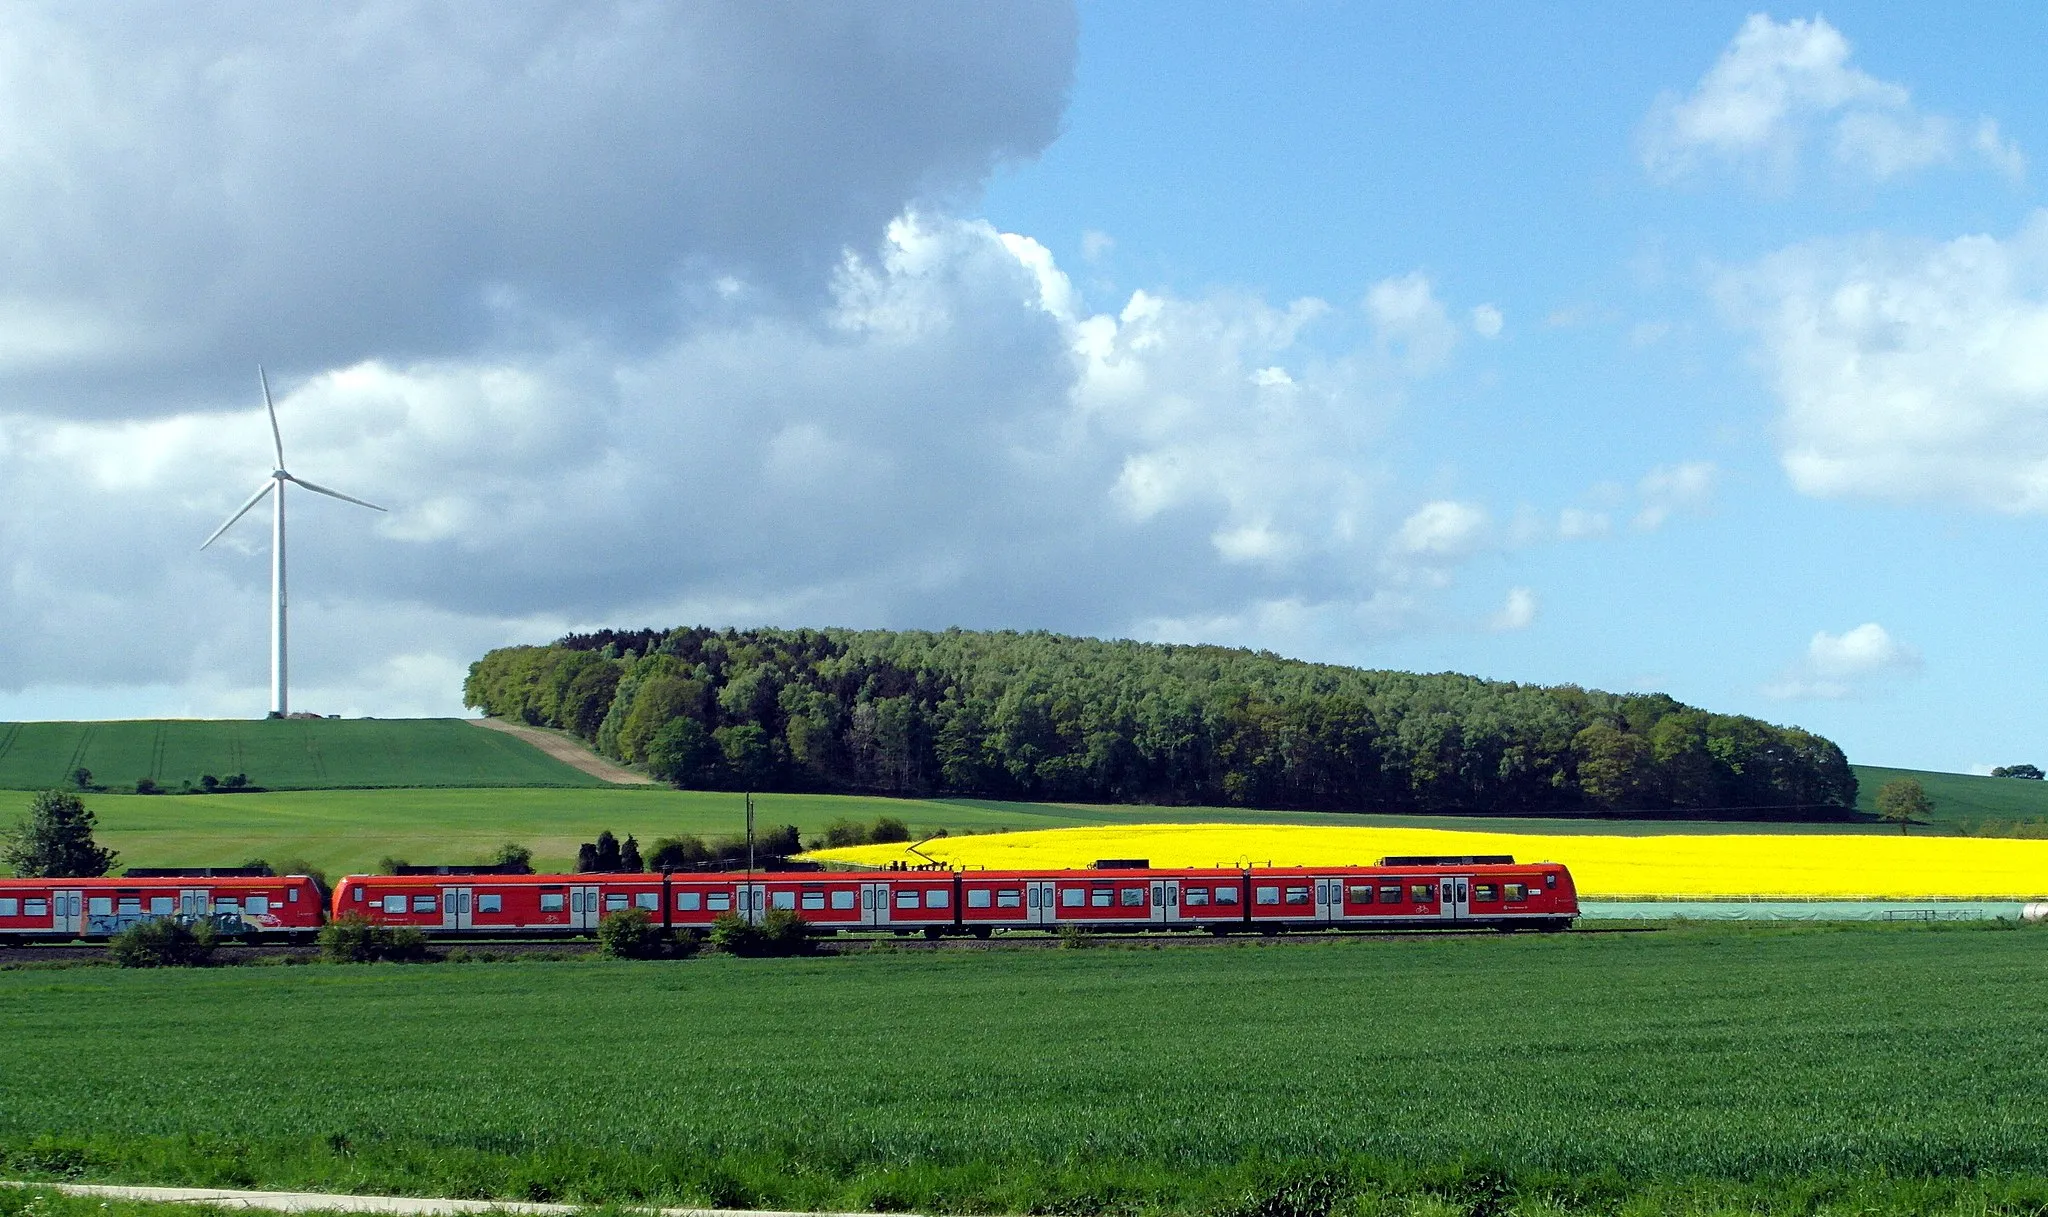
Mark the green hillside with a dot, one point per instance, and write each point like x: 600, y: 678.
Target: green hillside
x: 276, y: 754
x: 1961, y: 798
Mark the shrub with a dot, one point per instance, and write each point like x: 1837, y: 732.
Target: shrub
x: 354, y: 938
x: 889, y: 830
x: 843, y: 832
x: 145, y: 786
x: 1071, y: 935
x: 406, y: 944
x: 515, y: 858
x: 781, y: 932
x: 628, y: 934
x: 677, y: 853
x: 164, y: 942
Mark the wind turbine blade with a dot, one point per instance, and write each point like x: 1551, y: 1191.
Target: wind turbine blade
x: 269, y: 484
x: 276, y: 436
x: 332, y: 494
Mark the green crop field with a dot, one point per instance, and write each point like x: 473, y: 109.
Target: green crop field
x: 1881, y: 1069
x: 344, y: 831
x: 1960, y: 797
x: 277, y: 754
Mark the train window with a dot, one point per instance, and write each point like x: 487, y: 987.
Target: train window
x: 291, y: 895
x: 1010, y: 898
x: 160, y: 906
x: 1550, y: 879
x: 1134, y: 897
x: 718, y: 902
x: 651, y: 901
x: 259, y: 904
x: 1102, y: 897
x: 937, y: 898
x: 1158, y: 896
x: 814, y: 900
x: 551, y: 902
x: 100, y: 906
x: 906, y: 900
x: 782, y: 900
x: 1265, y: 895
x: 1073, y: 897
x: 1194, y: 895
x: 1424, y: 893
x: 227, y: 904
x: 394, y: 904
x: 1297, y: 895
x: 1390, y: 893
x: 689, y: 902
x: 35, y: 908
x: 1226, y: 895
x: 1516, y: 893
x: 843, y: 900
x: 490, y: 902
x: 10, y: 908
x: 614, y: 901
x: 1359, y: 894
x: 425, y: 904
x: 1485, y: 891
x: 977, y: 898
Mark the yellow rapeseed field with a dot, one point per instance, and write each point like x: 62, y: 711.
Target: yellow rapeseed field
x: 1777, y: 866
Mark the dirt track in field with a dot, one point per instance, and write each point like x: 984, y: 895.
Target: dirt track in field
x: 398, y: 1206
x: 569, y: 752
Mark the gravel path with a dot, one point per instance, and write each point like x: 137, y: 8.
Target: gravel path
x: 569, y: 752
x: 401, y: 1206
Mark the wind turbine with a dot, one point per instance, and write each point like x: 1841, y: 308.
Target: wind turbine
x: 275, y: 484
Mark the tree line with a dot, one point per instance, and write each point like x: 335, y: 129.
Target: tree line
x: 1049, y: 717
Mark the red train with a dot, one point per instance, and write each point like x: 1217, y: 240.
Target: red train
x: 1421, y: 892
x: 236, y: 903
x: 1399, y: 893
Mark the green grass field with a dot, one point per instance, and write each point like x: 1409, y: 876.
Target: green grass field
x: 1960, y: 797
x: 1702, y: 1069
x: 277, y: 754
x: 344, y: 831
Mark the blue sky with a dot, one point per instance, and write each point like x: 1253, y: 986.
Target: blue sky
x: 1311, y: 149
x: 1702, y: 348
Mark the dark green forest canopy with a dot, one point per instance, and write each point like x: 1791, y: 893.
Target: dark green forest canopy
x: 1043, y: 716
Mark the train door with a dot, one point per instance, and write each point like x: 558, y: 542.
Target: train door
x: 1165, y: 900
x: 585, y: 908
x: 67, y: 909
x: 874, y: 904
x: 753, y: 902
x: 192, y: 903
x: 1041, y: 896
x: 1329, y: 900
x: 455, y: 908
x: 1454, y: 896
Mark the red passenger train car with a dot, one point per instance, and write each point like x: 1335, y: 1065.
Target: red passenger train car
x: 236, y: 904
x: 1411, y: 893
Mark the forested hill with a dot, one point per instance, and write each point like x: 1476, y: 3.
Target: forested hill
x: 1040, y: 716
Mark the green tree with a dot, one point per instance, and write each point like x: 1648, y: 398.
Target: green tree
x: 629, y: 856
x: 1901, y: 801
x: 515, y: 858
x: 684, y: 755
x: 55, y: 841
x: 2031, y: 773
x: 748, y: 757
x: 1615, y: 767
x: 606, y: 852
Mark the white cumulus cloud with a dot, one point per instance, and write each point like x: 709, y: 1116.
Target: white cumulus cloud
x: 1781, y: 87
x: 1517, y: 613
x: 1670, y: 489
x: 1849, y: 664
x: 1908, y: 371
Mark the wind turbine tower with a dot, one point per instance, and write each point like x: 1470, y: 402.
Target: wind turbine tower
x: 274, y: 485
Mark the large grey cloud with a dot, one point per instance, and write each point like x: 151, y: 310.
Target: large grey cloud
x: 637, y: 315
x: 187, y: 188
